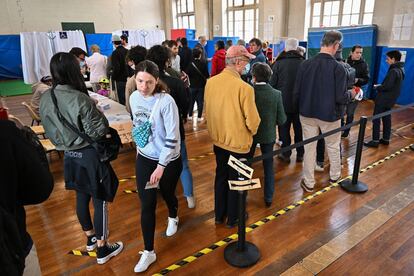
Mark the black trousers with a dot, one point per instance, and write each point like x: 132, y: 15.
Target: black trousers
x: 100, y: 216
x: 225, y: 200
x: 168, y: 182
x: 284, y: 133
x: 386, y: 124
x: 120, y: 90
x: 350, y: 111
x: 197, y: 96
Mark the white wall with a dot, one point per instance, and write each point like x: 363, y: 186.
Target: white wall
x: 44, y: 15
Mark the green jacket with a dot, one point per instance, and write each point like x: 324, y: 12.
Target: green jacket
x: 270, y: 107
x: 79, y: 109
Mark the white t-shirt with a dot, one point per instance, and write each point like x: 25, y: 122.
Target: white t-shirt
x: 97, y: 65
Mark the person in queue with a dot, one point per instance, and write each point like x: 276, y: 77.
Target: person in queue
x: 270, y: 107
x: 232, y: 120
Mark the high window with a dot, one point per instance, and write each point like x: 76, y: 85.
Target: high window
x: 241, y: 18
x: 341, y: 12
x: 183, y: 13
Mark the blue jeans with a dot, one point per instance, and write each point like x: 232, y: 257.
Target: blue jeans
x: 186, y: 176
x: 269, y: 172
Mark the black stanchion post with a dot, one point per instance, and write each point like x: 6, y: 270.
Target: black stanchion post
x: 355, y: 186
x: 241, y: 253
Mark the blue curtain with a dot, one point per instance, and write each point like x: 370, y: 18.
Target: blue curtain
x: 10, y: 57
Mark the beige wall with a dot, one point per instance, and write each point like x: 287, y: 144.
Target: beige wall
x: 44, y: 15
x: 384, y: 15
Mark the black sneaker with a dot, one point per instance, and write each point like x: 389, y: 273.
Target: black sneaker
x: 306, y: 187
x: 231, y: 224
x: 91, y: 243
x: 384, y: 142
x: 371, y: 144
x: 106, y: 252
x: 299, y: 159
x: 284, y: 158
x: 333, y: 181
x: 345, y: 134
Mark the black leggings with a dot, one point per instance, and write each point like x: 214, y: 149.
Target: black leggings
x: 168, y: 182
x: 100, y: 216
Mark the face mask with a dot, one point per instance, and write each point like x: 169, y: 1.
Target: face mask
x: 246, y: 69
x: 82, y: 64
x: 133, y: 66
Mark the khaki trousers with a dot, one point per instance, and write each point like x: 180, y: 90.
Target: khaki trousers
x: 310, y: 128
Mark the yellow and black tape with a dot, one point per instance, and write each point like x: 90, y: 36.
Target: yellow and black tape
x: 126, y: 179
x: 271, y: 217
x: 252, y: 226
x: 130, y: 191
x: 201, y: 156
x: 83, y: 253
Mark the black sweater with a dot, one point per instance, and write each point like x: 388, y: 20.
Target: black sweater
x: 119, y: 66
x: 180, y: 95
x: 362, y: 72
x: 198, y: 78
x: 389, y: 90
x: 24, y: 180
x: 283, y: 78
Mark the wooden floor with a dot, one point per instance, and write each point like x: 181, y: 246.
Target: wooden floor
x: 282, y: 242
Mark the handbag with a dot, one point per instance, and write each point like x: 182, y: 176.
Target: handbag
x: 106, y: 147
x: 198, y: 71
x: 141, y: 133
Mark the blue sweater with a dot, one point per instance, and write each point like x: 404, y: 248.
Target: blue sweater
x: 321, y: 88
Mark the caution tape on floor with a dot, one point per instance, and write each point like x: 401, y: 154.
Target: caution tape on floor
x: 252, y: 226
x: 271, y: 217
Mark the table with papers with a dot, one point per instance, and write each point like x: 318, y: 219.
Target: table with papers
x: 117, y: 115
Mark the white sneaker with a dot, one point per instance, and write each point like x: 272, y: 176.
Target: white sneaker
x: 172, y: 226
x: 200, y: 119
x: 191, y: 202
x: 189, y: 118
x: 318, y: 168
x: 147, y: 258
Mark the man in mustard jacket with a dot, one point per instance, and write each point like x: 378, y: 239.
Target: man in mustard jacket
x: 232, y: 120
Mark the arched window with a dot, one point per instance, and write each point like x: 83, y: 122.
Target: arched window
x: 183, y: 14
x: 341, y: 12
x: 241, y: 18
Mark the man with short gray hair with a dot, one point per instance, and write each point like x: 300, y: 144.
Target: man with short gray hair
x: 321, y: 93
x: 232, y: 120
x: 283, y: 79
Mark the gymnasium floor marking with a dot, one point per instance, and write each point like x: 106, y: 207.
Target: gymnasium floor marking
x: 252, y: 226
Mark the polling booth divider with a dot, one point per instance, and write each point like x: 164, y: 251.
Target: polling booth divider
x: 366, y: 36
x: 10, y: 57
x: 104, y: 41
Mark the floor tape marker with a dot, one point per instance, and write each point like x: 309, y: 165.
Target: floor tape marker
x: 252, y: 226
x: 261, y: 222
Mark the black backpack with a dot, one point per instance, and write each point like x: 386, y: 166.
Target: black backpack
x: 12, y: 256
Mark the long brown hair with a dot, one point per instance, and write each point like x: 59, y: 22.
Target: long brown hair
x: 152, y: 69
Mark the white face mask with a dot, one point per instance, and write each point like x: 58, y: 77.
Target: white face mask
x: 246, y: 69
x: 133, y: 66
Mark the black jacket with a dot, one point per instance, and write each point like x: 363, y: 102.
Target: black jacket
x: 389, y: 90
x: 186, y: 56
x: 362, y: 71
x: 283, y: 78
x: 320, y: 88
x: 119, y: 66
x: 24, y: 180
x: 198, y: 78
x: 180, y: 95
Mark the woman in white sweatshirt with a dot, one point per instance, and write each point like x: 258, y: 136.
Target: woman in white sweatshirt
x: 158, y: 159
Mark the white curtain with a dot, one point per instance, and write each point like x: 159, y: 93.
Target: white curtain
x: 36, y: 51
x: 145, y: 38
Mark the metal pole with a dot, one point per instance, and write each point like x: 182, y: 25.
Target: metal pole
x: 242, y: 223
x: 355, y: 186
